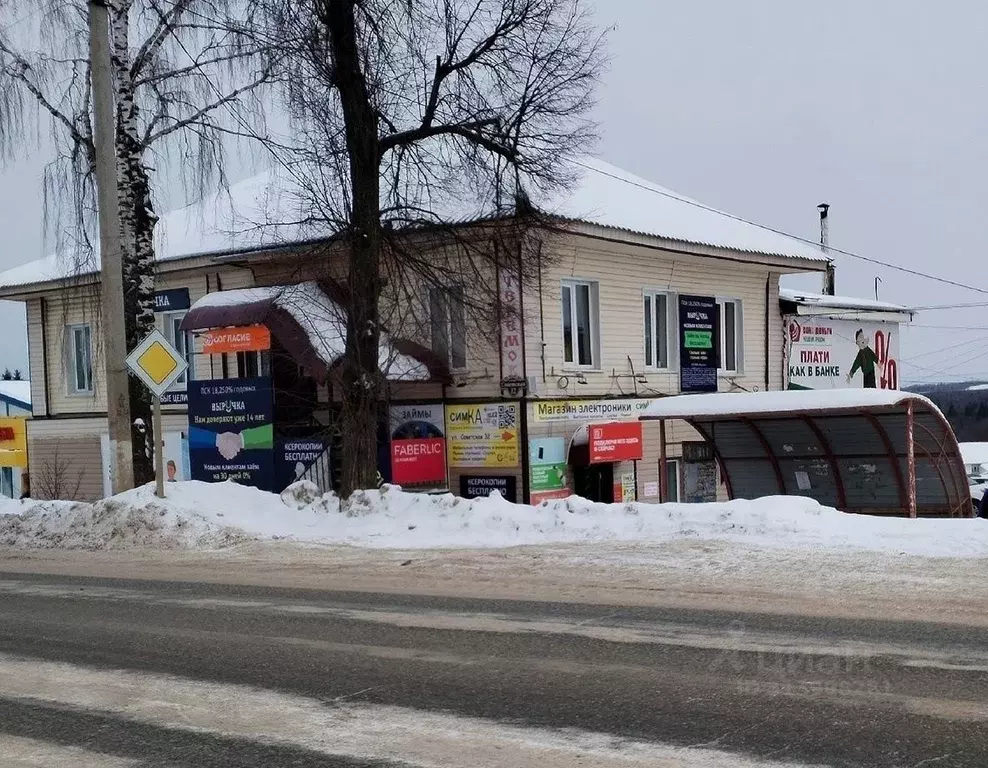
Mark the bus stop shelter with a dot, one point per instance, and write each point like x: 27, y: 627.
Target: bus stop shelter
x: 867, y: 451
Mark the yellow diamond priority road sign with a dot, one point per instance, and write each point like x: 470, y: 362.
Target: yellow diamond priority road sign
x: 156, y: 362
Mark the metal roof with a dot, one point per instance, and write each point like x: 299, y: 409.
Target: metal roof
x: 868, y: 451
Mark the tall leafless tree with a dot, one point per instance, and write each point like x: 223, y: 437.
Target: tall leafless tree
x: 417, y: 114
x: 177, y: 64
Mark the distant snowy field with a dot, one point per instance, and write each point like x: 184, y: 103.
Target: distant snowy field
x: 210, y: 516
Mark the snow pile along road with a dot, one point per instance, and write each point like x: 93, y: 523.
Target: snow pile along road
x: 207, y: 516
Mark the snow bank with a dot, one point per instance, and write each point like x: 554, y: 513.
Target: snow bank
x: 208, y: 516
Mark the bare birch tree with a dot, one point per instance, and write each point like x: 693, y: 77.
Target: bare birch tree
x: 423, y: 113
x: 176, y: 65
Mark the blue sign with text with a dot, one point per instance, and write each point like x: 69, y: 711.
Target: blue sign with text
x: 231, y: 431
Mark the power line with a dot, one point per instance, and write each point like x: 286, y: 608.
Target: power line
x: 949, y: 327
x: 829, y: 249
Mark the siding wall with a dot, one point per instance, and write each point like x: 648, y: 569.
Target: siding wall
x: 66, y: 467
x: 622, y: 272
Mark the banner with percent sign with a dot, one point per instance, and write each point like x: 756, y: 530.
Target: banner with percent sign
x: 822, y: 353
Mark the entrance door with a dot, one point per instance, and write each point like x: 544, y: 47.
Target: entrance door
x: 595, y: 482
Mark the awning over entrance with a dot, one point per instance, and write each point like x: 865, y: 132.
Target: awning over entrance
x: 862, y: 450
x: 309, y: 321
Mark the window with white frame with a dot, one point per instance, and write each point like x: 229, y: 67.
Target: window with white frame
x: 731, y: 336
x: 253, y: 365
x: 80, y: 359
x: 448, y: 325
x: 580, y: 324
x: 658, y: 335
x: 182, y: 341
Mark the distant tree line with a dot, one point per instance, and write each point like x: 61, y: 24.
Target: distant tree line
x: 965, y: 409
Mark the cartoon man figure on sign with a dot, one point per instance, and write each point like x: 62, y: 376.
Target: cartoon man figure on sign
x: 866, y: 360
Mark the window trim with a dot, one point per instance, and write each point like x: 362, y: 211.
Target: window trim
x: 446, y: 297
x: 722, y: 369
x: 167, y: 319
x: 72, y: 378
x: 572, y: 283
x: 672, y: 326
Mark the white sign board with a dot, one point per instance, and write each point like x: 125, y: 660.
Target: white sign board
x: 157, y: 363
x: 824, y: 353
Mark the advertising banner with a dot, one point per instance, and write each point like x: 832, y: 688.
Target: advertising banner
x: 617, y: 441
x: 304, y: 458
x: 483, y: 435
x: 547, y: 469
x: 480, y: 486
x: 13, y: 442
x: 628, y: 487
x: 249, y: 338
x: 699, y: 343
x: 418, y: 445
x: 546, y: 411
x: 823, y: 353
x: 231, y: 431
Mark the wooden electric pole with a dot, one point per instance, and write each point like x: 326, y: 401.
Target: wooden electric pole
x: 111, y: 285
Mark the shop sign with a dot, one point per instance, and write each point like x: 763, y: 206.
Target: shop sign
x: 699, y: 348
x: 231, y: 431
x: 174, y: 300
x: 512, y: 336
x: 545, y: 411
x: 248, y: 338
x: 418, y: 446
x: 617, y: 441
x: 483, y: 435
x: 480, y: 486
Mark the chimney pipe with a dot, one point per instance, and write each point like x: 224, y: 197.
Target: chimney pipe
x: 830, y: 278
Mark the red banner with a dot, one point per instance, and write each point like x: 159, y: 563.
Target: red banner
x: 617, y: 441
x: 537, y: 497
x: 415, y: 462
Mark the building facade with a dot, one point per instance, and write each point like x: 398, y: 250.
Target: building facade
x: 639, y: 294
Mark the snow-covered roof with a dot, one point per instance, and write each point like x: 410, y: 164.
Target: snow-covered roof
x: 264, y: 211
x: 820, y: 301
x: 17, y: 393
x: 310, y: 324
x: 611, y: 197
x: 782, y: 402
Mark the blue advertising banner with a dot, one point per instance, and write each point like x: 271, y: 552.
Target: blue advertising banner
x: 699, y: 343
x: 231, y: 431
x: 305, y: 458
x: 170, y: 301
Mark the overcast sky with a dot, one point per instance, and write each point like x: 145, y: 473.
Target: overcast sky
x: 764, y: 109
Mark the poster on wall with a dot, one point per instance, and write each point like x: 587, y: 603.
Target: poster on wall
x: 418, y: 445
x: 547, y: 469
x: 699, y: 343
x: 614, y: 442
x: 231, y: 431
x: 823, y: 353
x: 483, y: 435
x: 480, y: 486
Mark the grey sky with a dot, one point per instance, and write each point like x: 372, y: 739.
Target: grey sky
x: 766, y: 108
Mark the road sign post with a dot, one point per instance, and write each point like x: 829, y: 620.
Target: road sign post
x: 159, y: 365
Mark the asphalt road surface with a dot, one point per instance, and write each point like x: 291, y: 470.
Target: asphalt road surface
x: 106, y: 673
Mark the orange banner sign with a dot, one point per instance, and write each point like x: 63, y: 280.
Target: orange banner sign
x: 249, y: 338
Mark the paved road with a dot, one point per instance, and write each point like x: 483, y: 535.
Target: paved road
x: 126, y: 673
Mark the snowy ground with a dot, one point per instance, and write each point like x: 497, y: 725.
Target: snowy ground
x: 210, y: 516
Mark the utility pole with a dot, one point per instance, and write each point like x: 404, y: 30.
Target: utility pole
x: 830, y: 278
x: 111, y: 263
